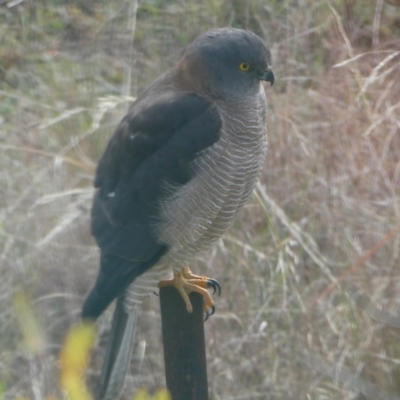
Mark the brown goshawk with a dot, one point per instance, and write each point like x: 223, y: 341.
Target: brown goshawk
x: 176, y: 172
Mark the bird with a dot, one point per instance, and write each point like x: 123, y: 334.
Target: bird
x: 177, y: 170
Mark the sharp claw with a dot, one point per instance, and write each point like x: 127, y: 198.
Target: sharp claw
x: 215, y: 285
x: 208, y: 313
x: 212, y: 310
x: 207, y: 316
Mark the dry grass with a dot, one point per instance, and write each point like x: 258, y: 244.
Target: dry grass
x: 329, y: 193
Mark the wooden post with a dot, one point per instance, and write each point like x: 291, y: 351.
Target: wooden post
x: 184, y: 346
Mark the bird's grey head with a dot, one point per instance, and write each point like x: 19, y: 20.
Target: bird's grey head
x: 228, y: 63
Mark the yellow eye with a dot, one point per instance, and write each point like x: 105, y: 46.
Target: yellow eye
x: 244, y: 66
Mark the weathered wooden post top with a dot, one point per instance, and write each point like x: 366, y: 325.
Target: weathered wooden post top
x: 184, y: 346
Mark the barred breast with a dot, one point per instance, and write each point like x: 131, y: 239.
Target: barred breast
x: 198, y: 213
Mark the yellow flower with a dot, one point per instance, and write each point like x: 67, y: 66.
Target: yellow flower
x: 74, y: 358
x: 161, y: 394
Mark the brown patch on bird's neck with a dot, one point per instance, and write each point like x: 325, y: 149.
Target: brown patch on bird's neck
x: 190, y: 77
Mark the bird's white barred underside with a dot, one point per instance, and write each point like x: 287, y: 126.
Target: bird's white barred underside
x: 198, y: 213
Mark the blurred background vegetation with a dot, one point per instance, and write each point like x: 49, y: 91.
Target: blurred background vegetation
x: 329, y: 193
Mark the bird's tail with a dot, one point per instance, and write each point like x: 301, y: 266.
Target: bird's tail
x: 119, y: 350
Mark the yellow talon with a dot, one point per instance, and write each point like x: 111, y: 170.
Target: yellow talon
x: 186, y: 282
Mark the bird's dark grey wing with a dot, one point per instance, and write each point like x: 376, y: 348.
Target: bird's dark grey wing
x: 154, y: 144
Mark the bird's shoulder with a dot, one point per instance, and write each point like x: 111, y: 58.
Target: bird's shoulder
x: 154, y: 144
x: 148, y: 126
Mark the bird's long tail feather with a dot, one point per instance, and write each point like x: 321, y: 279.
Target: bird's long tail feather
x: 119, y: 350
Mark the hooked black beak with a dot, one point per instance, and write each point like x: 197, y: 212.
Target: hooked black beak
x: 269, y: 77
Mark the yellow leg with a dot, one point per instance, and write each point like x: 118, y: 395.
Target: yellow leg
x: 186, y: 282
